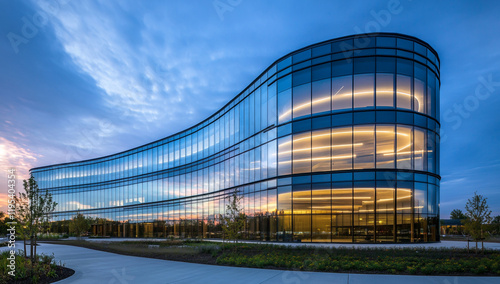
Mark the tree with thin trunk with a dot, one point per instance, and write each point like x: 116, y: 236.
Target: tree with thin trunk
x: 34, y: 207
x: 233, y: 221
x: 478, y: 214
x: 22, y: 216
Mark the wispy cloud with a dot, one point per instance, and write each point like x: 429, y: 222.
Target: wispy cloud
x: 145, y: 81
x: 14, y: 155
x: 453, y: 181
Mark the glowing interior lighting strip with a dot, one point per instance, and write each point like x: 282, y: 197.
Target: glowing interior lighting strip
x: 345, y: 132
x: 389, y: 209
x: 388, y: 199
x: 346, y: 94
x: 322, y: 147
x: 318, y: 198
x: 319, y: 159
x: 405, y: 152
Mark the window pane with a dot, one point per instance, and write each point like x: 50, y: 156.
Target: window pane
x: 364, y: 65
x: 404, y: 67
x: 386, y: 41
x: 342, y: 148
x: 302, y: 199
x: 385, y: 211
x: 404, y: 200
x: 420, y: 201
x: 386, y: 65
x: 271, y: 105
x: 284, y: 106
x: 364, y: 200
x: 385, y: 90
x: 302, y: 77
x: 385, y: 147
x: 363, y: 90
x: 284, y: 200
x: 302, y: 228
x: 364, y: 147
x: 342, y: 93
x: 431, y: 94
x: 431, y: 199
x: 302, y: 101
x: 364, y: 217
x: 271, y: 159
x: 418, y: 152
x: 321, y: 228
x: 431, y: 151
x: 342, y: 199
x: 403, y: 92
x: 321, y: 72
x: 285, y: 156
x: 302, y: 153
x: 419, y: 102
x: 321, y: 96
x: 321, y: 199
x: 321, y: 147
x: 404, y: 147
x: 341, y: 68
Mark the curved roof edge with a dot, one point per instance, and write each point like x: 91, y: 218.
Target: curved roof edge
x: 249, y: 85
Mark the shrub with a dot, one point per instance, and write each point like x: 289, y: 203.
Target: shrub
x: 45, y: 266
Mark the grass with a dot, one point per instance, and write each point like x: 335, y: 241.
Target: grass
x: 52, y: 236
x: 416, y: 261
x: 492, y: 239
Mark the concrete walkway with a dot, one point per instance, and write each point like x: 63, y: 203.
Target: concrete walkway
x: 92, y: 266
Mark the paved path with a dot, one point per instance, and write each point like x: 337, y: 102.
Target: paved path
x: 93, y: 266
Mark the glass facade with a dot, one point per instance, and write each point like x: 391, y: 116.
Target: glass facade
x: 336, y: 142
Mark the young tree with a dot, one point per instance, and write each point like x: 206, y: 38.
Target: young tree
x: 234, y: 219
x: 79, y: 224
x: 34, y: 207
x: 457, y: 214
x: 478, y: 213
x: 23, y: 217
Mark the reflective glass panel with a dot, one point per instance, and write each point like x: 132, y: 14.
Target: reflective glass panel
x: 363, y: 90
x: 364, y: 147
x: 403, y: 92
x: 385, y: 90
x: 342, y: 93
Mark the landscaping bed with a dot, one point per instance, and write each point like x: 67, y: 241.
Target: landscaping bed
x: 44, y: 270
x: 415, y: 261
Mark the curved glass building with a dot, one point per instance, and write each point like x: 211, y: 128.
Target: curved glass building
x: 335, y: 142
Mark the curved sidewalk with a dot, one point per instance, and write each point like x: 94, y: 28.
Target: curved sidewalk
x: 92, y: 266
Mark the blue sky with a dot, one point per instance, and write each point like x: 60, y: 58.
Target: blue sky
x: 82, y: 79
